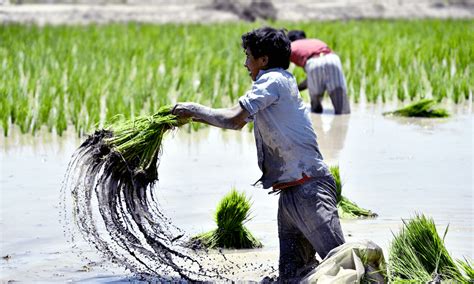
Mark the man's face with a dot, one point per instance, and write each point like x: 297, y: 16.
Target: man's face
x: 254, y: 65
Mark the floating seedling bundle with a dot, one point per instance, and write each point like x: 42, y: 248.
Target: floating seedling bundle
x: 233, y: 211
x: 423, y: 108
x: 347, y: 208
x: 114, y: 170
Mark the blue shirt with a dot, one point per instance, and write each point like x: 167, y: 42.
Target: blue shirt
x: 286, y: 141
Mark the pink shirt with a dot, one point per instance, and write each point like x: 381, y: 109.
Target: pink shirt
x: 303, y: 49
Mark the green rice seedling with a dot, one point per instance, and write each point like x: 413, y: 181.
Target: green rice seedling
x: 4, y: 110
x: 418, y: 253
x: 404, y: 264
x: 233, y: 211
x: 138, y: 141
x: 61, y: 121
x: 467, y: 267
x: 134, y: 69
x: 423, y: 108
x: 347, y: 209
x: 337, y: 178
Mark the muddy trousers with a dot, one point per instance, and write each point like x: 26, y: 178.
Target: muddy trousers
x: 307, y: 223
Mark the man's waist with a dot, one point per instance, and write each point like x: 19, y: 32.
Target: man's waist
x: 283, y: 185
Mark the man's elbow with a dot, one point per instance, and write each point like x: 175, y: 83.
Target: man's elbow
x: 237, y: 125
x: 240, y: 126
x: 238, y: 118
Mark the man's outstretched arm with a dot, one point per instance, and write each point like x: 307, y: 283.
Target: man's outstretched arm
x: 228, y: 118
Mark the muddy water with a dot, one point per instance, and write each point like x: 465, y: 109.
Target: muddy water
x: 395, y: 167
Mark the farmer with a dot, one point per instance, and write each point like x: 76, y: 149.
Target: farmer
x: 288, y: 153
x: 323, y: 69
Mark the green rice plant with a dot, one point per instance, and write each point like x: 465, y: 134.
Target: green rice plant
x: 232, y: 212
x: 138, y: 141
x: 467, y: 267
x: 4, y: 108
x: 337, y: 179
x: 404, y: 264
x: 203, y: 63
x: 418, y: 253
x: 422, y: 108
x: 346, y: 208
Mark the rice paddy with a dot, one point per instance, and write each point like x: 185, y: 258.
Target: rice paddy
x: 82, y: 76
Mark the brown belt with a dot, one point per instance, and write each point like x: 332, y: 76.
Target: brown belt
x: 283, y: 185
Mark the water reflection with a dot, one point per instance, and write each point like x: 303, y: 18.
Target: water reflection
x: 425, y: 124
x: 332, y: 132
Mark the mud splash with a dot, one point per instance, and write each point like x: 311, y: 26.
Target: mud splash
x: 115, y: 209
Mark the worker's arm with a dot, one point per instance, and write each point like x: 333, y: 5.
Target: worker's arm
x: 303, y: 85
x: 228, y: 118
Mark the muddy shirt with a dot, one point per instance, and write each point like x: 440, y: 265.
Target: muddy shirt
x: 286, y: 141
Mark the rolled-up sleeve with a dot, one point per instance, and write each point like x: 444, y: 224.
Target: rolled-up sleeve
x: 264, y: 92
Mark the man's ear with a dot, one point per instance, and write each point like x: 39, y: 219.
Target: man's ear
x: 263, y: 60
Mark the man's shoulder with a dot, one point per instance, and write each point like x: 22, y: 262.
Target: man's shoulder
x: 275, y: 75
x: 278, y: 81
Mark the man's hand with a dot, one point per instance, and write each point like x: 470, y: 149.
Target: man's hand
x: 184, y: 111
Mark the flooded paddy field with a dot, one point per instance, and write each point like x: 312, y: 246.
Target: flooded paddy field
x: 394, y: 166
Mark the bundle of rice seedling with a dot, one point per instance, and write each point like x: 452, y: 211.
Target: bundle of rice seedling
x: 418, y: 253
x: 138, y: 142
x: 423, y: 108
x: 233, y: 211
x: 116, y: 168
x: 347, y: 209
x: 468, y: 268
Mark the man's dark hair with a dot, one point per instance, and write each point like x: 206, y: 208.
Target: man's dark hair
x: 270, y: 42
x: 296, y: 35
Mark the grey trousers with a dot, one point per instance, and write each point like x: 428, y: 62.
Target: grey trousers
x: 325, y: 74
x: 307, y: 223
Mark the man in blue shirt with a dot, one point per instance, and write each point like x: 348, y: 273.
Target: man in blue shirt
x: 288, y: 153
